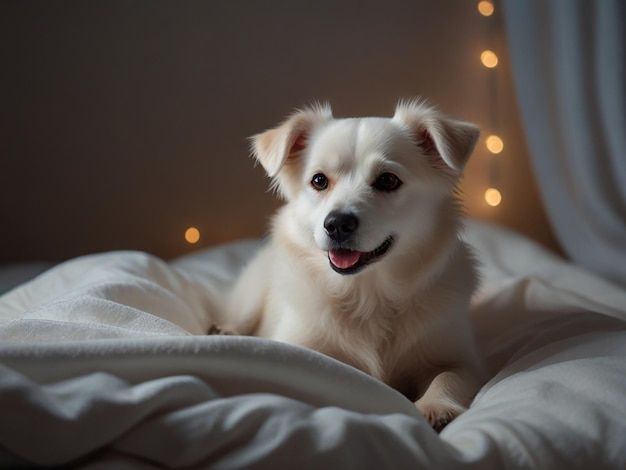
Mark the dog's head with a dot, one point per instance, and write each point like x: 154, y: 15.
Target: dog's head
x: 361, y: 189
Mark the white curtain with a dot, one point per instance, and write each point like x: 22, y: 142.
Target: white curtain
x: 569, y: 64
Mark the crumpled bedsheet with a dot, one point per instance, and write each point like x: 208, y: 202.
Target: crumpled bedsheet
x: 104, y: 364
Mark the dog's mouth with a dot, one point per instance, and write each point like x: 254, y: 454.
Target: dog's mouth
x: 345, y: 261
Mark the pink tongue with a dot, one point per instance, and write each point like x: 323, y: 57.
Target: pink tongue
x: 344, y: 258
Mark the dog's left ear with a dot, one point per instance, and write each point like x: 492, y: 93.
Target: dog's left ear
x: 447, y: 143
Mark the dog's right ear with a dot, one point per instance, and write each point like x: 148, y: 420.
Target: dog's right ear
x: 279, y: 147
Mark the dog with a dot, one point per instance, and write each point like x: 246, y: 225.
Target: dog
x: 364, y: 262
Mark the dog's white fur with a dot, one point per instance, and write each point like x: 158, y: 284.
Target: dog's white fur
x: 401, y: 319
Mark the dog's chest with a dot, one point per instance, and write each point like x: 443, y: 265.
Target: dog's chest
x: 359, y: 324
x: 370, y: 335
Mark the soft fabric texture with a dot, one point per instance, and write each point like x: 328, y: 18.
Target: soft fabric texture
x: 569, y: 64
x: 103, y: 363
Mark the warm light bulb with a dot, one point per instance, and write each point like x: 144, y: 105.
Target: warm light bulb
x: 192, y: 235
x: 493, y: 197
x: 494, y: 144
x: 485, y: 8
x: 489, y: 59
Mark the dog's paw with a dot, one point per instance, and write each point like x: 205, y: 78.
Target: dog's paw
x: 216, y: 330
x: 438, y: 415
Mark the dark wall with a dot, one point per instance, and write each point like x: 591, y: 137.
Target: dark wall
x: 124, y: 122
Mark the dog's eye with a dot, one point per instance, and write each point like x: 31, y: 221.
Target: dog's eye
x: 319, y: 182
x: 387, y: 182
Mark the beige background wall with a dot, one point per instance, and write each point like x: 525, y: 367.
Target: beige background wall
x: 124, y: 122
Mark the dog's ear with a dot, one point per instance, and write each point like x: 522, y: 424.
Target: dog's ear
x: 447, y: 143
x: 284, y: 144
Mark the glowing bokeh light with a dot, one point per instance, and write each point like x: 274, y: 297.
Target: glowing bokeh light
x: 192, y: 235
x: 485, y: 8
x: 489, y: 59
x: 494, y: 144
x: 493, y: 197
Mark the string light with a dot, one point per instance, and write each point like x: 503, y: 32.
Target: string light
x: 192, y: 235
x: 494, y: 143
x: 489, y: 59
x: 493, y: 197
x: 485, y: 8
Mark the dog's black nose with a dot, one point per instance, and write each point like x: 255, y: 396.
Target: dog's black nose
x: 340, y: 226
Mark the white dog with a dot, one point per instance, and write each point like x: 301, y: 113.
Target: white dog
x: 365, y: 263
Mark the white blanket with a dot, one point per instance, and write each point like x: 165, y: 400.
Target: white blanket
x: 103, y: 363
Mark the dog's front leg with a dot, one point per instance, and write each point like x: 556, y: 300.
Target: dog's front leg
x: 448, y: 395
x: 247, y: 300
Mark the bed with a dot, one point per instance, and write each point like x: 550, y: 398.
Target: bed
x: 104, y: 364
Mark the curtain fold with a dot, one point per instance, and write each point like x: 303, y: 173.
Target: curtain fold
x: 569, y: 67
